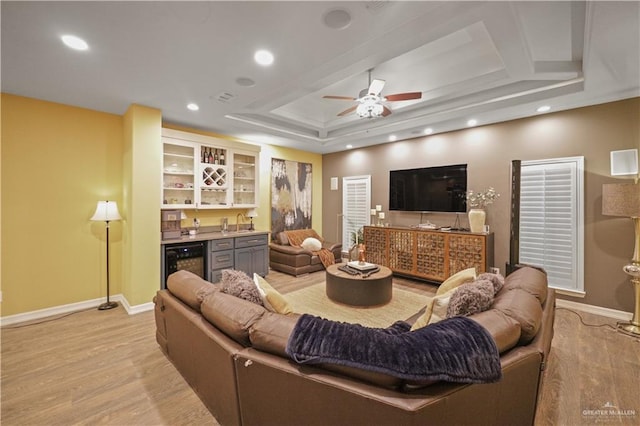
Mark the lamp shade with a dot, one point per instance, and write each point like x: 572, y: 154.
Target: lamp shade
x: 621, y: 199
x: 106, y: 211
x: 252, y: 213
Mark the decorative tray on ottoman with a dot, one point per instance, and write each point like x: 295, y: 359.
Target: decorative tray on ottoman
x: 364, y: 266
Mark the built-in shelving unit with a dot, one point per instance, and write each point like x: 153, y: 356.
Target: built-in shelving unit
x: 208, y: 173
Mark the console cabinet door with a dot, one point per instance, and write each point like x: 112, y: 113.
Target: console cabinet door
x: 376, y: 242
x: 431, y: 254
x: 467, y: 251
x: 401, y: 251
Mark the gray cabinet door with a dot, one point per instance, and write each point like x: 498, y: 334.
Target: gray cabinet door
x: 252, y: 260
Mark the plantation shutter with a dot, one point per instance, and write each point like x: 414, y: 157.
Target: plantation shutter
x: 551, y: 220
x: 356, y: 199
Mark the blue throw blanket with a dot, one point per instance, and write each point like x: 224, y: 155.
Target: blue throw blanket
x: 456, y: 349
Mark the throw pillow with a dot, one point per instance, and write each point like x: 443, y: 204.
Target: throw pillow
x: 271, y: 298
x: 436, y: 310
x: 471, y: 298
x: 281, y: 238
x: 440, y: 305
x: 311, y: 244
x: 238, y: 284
x: 496, y: 279
x: 456, y: 280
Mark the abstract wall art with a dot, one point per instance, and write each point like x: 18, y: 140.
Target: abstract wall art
x: 291, y: 183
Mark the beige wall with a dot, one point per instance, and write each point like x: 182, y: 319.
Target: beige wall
x: 488, y: 150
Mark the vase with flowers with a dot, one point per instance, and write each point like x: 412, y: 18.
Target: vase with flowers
x: 478, y: 201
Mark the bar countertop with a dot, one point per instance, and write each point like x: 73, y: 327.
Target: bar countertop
x: 212, y: 235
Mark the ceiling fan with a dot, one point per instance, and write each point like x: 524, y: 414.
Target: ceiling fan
x: 370, y: 101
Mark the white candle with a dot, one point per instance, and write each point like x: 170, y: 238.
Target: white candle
x: 381, y: 215
x: 378, y: 207
x: 373, y: 212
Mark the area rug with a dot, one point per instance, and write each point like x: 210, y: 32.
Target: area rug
x: 313, y: 300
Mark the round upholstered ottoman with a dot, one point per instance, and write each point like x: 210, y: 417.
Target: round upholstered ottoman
x: 357, y: 290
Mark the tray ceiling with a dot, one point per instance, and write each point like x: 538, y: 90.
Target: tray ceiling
x: 492, y: 61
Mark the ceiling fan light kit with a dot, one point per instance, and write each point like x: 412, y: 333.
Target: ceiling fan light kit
x: 370, y: 101
x: 369, y: 109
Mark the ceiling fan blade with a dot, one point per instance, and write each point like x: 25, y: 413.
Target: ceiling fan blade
x: 348, y: 111
x: 376, y: 87
x: 385, y: 111
x: 403, y: 96
x: 344, y: 98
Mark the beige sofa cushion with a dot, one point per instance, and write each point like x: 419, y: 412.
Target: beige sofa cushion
x: 232, y: 315
x: 436, y: 310
x: 456, y: 280
x: 271, y: 298
x: 190, y: 288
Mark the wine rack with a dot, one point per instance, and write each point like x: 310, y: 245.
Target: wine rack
x: 213, y: 177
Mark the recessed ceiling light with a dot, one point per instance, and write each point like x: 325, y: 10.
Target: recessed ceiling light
x: 544, y: 108
x: 472, y: 122
x: 193, y: 107
x: 428, y: 131
x: 74, y: 42
x: 263, y: 57
x: 349, y: 146
x: 393, y: 138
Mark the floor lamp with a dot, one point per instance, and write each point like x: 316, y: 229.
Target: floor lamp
x: 107, y: 211
x: 623, y: 199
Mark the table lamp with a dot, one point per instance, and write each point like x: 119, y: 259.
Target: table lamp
x: 251, y: 214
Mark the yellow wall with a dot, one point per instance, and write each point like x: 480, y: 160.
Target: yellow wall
x: 142, y: 162
x: 57, y: 162
x: 263, y: 221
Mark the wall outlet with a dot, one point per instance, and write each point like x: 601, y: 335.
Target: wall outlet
x: 494, y: 270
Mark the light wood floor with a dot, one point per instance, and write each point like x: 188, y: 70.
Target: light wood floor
x: 104, y: 367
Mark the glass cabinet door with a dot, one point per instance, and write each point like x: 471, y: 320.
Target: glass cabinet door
x: 178, y: 189
x: 245, y: 183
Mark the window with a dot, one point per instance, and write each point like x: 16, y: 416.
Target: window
x: 552, y: 220
x: 356, y: 199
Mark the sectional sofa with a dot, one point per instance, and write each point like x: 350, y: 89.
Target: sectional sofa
x: 233, y: 353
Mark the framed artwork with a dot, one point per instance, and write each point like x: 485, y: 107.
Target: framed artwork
x: 291, y: 183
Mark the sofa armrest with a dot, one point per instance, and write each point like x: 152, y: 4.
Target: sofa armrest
x: 331, y: 246
x: 291, y: 250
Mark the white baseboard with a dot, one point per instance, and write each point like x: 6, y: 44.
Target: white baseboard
x: 132, y: 310
x: 73, y: 307
x: 596, y: 310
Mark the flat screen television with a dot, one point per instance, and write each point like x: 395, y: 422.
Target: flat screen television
x: 429, y: 189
